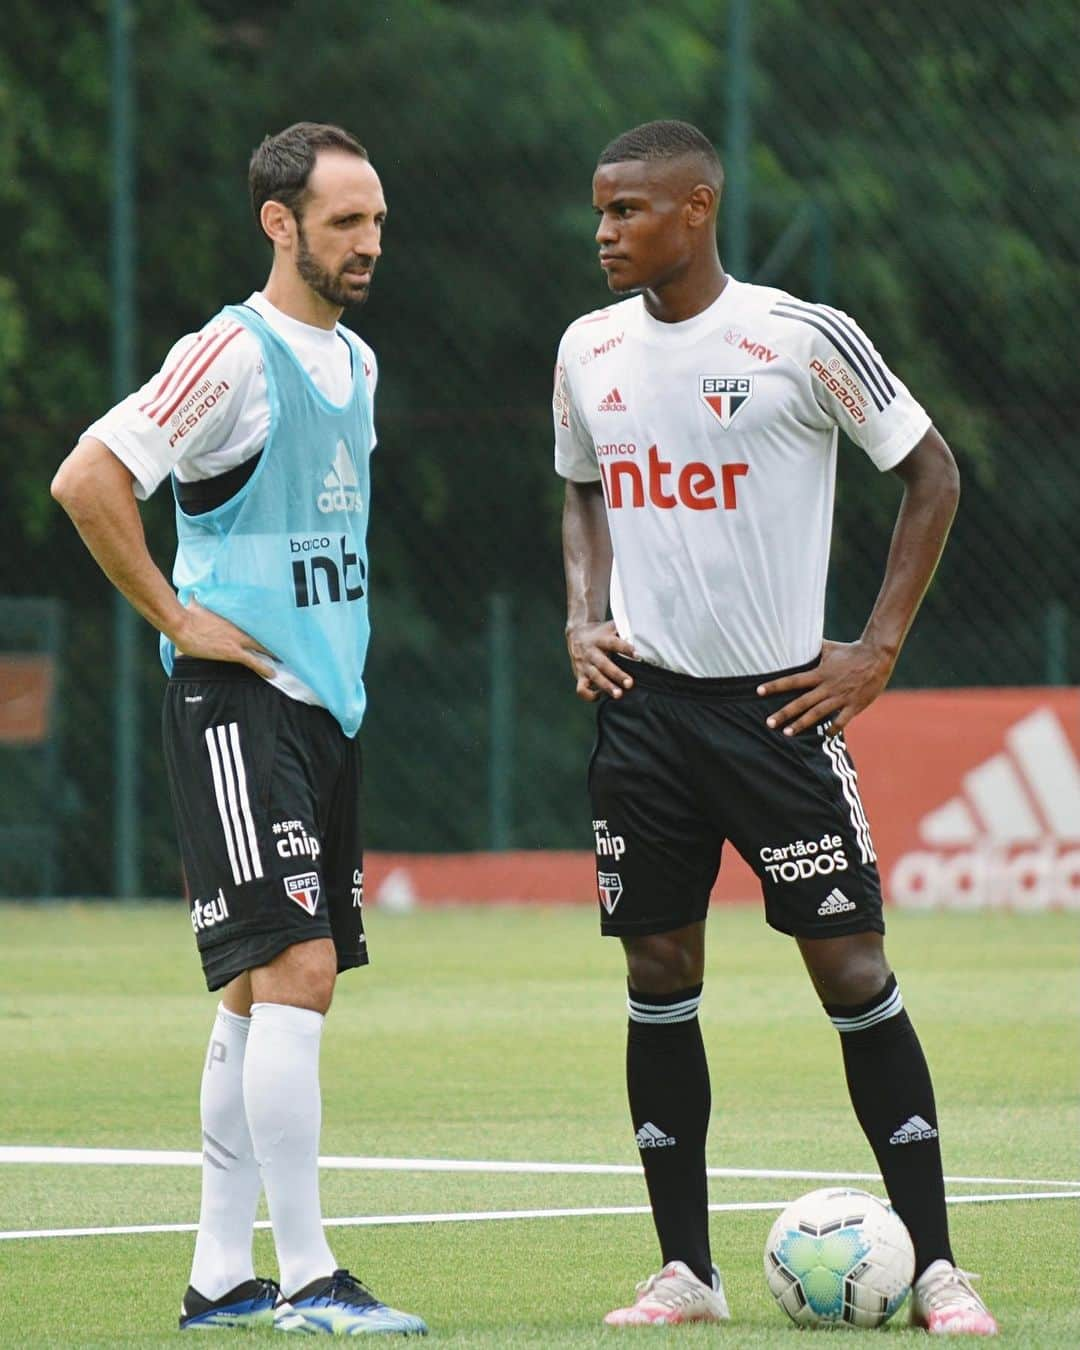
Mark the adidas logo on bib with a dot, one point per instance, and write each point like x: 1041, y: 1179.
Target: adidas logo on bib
x: 341, y: 484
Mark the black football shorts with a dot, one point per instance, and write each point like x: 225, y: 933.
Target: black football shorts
x: 682, y: 765
x: 266, y: 795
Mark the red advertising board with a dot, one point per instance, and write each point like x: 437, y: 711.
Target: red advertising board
x: 973, y: 798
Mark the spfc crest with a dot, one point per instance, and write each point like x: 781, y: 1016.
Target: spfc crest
x: 609, y: 884
x: 304, y: 889
x: 724, y: 395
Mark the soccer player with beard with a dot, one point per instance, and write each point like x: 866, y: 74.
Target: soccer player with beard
x: 696, y: 427
x: 264, y: 421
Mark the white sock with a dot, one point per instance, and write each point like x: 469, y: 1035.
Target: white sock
x: 284, y: 1112
x: 230, y: 1176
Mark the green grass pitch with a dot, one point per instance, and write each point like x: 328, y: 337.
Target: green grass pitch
x: 498, y: 1034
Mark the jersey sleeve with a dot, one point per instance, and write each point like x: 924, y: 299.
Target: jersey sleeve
x: 575, y: 453
x: 188, y: 409
x: 856, y: 389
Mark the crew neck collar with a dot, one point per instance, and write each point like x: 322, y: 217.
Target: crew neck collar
x: 656, y: 328
x: 258, y: 302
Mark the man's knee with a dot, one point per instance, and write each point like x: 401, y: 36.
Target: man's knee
x: 301, y: 976
x: 846, y: 971
x: 664, y: 963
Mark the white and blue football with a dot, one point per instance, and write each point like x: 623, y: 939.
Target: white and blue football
x: 839, y: 1256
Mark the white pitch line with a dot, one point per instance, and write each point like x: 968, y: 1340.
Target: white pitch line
x: 991, y: 1199
x: 127, y: 1157
x: 479, y: 1216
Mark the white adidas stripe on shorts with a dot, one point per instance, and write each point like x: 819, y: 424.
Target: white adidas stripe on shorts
x: 231, y: 794
x: 842, y: 766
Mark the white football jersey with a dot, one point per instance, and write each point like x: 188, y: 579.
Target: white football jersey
x: 715, y: 442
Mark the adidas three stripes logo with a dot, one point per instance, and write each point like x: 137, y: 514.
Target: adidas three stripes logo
x: 231, y: 795
x: 913, y: 1130
x: 847, y: 341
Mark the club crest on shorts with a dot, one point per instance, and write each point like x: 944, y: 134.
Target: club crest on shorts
x: 304, y: 889
x: 724, y: 395
x: 609, y: 885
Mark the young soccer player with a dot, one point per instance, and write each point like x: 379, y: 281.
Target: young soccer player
x: 264, y: 420
x: 696, y: 427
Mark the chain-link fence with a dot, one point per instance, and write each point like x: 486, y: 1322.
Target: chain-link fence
x: 913, y: 165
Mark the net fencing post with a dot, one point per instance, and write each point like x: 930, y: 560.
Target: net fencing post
x: 737, y: 168
x: 122, y: 270
x: 500, y: 722
x: 1057, y: 627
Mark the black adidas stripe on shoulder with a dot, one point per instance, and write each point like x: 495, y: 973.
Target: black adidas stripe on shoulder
x: 863, y: 345
x: 847, y: 341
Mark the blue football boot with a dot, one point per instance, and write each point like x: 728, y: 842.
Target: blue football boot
x: 250, y: 1304
x: 340, y: 1306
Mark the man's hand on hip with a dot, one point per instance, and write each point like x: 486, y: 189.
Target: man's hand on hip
x: 207, y: 635
x: 596, y: 674
x: 847, y: 679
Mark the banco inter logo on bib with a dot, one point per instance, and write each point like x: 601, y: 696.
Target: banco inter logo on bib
x: 340, y: 484
x: 326, y: 570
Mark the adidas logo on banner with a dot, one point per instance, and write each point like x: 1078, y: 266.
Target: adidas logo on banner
x: 1041, y: 760
x: 1011, y: 836
x: 836, y: 902
x: 341, y: 484
x: 650, y: 1137
x: 611, y: 402
x: 912, y: 1131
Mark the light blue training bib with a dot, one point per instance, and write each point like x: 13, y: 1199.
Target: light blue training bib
x: 285, y: 559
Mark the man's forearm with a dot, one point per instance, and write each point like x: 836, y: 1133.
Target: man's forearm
x: 94, y: 488
x: 931, y: 493
x: 586, y: 554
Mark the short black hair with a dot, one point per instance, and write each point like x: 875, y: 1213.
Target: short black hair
x: 281, y: 165
x: 667, y: 139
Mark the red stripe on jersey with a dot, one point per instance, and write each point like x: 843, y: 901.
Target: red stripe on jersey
x: 179, y: 371
x: 169, y: 376
x: 192, y: 377
x: 592, y: 318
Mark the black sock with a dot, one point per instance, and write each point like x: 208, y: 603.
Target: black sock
x: 893, y: 1098
x: 667, y: 1079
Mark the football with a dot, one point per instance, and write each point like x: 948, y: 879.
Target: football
x: 839, y: 1257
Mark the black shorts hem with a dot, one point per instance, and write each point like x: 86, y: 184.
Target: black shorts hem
x: 352, y: 961
x: 865, y: 923
x: 226, y: 960
x: 647, y: 927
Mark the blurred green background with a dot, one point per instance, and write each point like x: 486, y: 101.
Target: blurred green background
x: 914, y: 165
